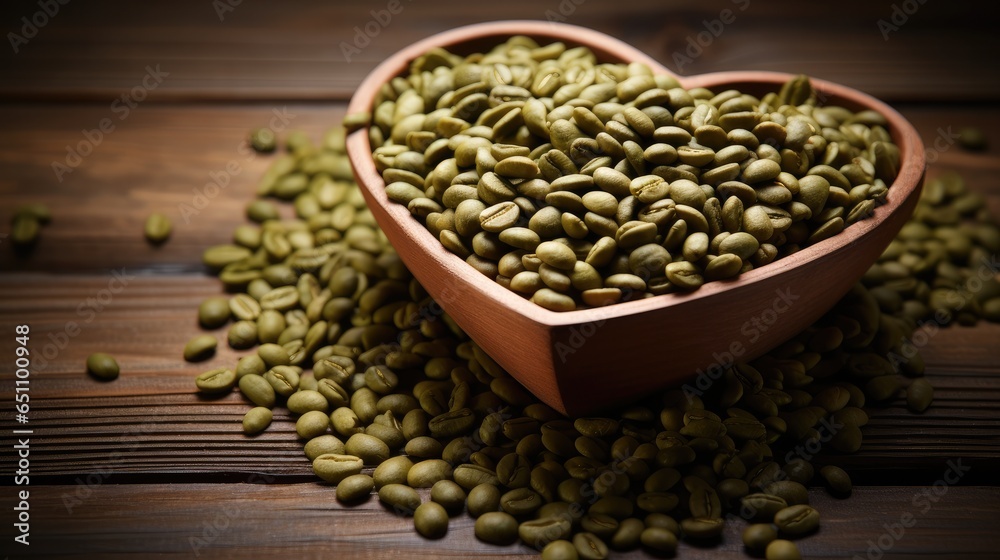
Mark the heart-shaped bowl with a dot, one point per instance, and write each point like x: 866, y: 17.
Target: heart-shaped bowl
x: 584, y: 360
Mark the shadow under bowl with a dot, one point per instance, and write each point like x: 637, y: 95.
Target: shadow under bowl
x: 581, y: 361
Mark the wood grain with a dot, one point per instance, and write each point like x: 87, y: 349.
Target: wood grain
x: 259, y: 52
x: 169, y: 462
x: 158, y: 158
x: 304, y: 521
x: 151, y: 425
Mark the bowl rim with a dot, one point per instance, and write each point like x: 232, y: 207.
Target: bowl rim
x: 908, y: 179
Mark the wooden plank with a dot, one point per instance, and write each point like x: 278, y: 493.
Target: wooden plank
x: 150, y: 424
x: 303, y: 49
x: 162, y: 157
x: 304, y: 521
x: 188, y: 162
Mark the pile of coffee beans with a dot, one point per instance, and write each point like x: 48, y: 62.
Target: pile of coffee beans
x: 576, y: 183
x: 390, y: 395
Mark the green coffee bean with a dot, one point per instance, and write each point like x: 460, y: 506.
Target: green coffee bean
x: 322, y: 445
x: 220, y: 380
x: 242, y: 335
x: 334, y: 468
x: 273, y: 355
x: 24, y: 230
x: 520, y: 501
x: 782, y: 550
x: 244, y: 307
x: 972, y: 138
x: 355, y: 488
x: 303, y: 401
x: 496, y: 527
x: 539, y: 532
x: 263, y: 140
x: 312, y: 424
x: 797, y: 520
x: 628, y: 534
x: 560, y: 550
x: 250, y: 365
x: 102, y: 366
x: 663, y: 502
x: 792, y: 492
x: 704, y: 502
x: 756, y: 537
x: 370, y: 449
x: 256, y: 420
x: 346, y: 422
x: 280, y: 299
x: 381, y: 379
x: 604, y: 526
x: 762, y: 506
x: 659, y: 540
x: 589, y: 546
x: 157, y: 228
x: 452, y: 423
x: 426, y: 473
x: 283, y: 379
x: 431, y: 520
x: 219, y: 256
x: 702, y: 527
x: 663, y: 521
x: 483, y: 498
x: 200, y: 348
x: 261, y: 211
x: 470, y: 476
x: 34, y: 210
x: 255, y: 388
x: 450, y: 495
x: 424, y: 447
x: 837, y: 480
x: 270, y: 325
x: 402, y: 499
x: 213, y: 312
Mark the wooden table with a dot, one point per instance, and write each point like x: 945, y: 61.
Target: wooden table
x: 143, y: 465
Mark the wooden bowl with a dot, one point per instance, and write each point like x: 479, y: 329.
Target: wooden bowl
x: 581, y: 361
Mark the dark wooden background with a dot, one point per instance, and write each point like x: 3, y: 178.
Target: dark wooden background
x: 144, y: 465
